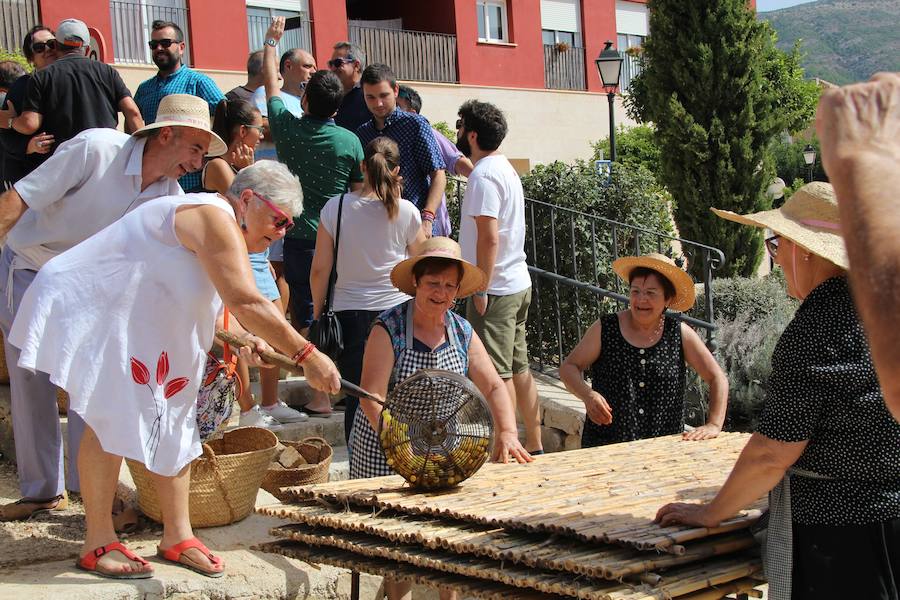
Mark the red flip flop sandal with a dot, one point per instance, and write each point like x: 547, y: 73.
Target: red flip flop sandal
x: 89, y: 561
x: 175, y: 554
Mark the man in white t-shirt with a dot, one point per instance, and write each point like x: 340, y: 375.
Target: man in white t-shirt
x: 90, y: 182
x: 492, y: 235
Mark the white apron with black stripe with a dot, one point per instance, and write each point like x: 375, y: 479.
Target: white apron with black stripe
x: 366, y: 456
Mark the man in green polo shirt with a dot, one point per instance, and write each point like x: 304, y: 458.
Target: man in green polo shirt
x: 327, y: 160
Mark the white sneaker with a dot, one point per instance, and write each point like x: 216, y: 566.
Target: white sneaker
x: 259, y: 418
x: 284, y: 413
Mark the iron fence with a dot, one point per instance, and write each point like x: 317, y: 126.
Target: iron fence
x: 295, y: 38
x: 563, y: 69
x: 570, y: 255
x: 131, y: 21
x: 16, y: 18
x: 413, y: 55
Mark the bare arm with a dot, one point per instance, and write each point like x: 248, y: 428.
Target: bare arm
x: 133, y: 118
x: 436, y: 190
x: 859, y: 126
x: 487, y: 244
x: 463, y: 166
x: 320, y: 271
x: 216, y: 240
x: 378, y: 362
x: 761, y: 465
x: 270, y: 66
x: 572, y: 371
x: 700, y: 359
x: 12, y: 207
x: 28, y: 122
x: 217, y: 176
x: 487, y: 380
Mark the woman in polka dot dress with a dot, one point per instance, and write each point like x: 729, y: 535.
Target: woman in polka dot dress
x: 827, y: 450
x: 637, y: 357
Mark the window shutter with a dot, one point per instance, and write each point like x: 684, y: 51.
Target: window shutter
x: 561, y: 15
x: 632, y: 18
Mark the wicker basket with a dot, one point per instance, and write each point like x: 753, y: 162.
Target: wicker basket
x: 224, y: 481
x: 317, y: 453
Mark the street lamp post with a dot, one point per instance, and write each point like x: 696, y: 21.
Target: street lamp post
x: 809, y: 157
x: 609, y: 65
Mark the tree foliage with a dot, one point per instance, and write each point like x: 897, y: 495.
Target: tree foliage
x: 17, y: 57
x: 634, y: 146
x: 718, y: 91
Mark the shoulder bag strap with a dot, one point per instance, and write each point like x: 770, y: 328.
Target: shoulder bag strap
x: 332, y: 279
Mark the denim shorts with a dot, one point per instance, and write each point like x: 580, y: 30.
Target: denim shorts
x: 265, y: 283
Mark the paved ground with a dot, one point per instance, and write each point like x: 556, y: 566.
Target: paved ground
x: 37, y: 557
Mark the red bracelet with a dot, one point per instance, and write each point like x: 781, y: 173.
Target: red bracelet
x: 304, y: 353
x: 427, y: 215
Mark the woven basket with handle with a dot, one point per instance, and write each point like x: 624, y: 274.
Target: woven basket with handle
x: 317, y: 453
x: 224, y: 481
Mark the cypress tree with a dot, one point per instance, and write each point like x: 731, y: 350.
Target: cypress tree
x: 712, y: 85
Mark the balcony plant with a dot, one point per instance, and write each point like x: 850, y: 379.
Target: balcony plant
x: 562, y: 47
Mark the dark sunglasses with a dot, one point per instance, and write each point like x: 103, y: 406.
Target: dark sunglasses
x: 285, y: 221
x: 772, y: 246
x: 39, y: 47
x: 337, y: 63
x: 165, y: 43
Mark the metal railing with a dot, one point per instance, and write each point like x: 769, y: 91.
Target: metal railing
x: 131, y: 20
x: 563, y: 69
x: 570, y: 255
x: 16, y: 18
x: 295, y: 38
x: 631, y: 68
x: 413, y: 55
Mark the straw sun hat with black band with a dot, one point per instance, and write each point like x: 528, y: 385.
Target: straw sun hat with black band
x: 666, y: 267
x: 809, y: 218
x: 473, y: 279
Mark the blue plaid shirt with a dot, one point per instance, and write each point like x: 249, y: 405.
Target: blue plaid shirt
x: 182, y: 81
x: 419, y: 152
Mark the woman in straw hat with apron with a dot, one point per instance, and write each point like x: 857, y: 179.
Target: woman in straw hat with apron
x: 424, y: 333
x: 637, y: 357
x: 826, y: 450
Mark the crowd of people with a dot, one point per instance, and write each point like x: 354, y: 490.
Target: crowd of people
x: 306, y: 192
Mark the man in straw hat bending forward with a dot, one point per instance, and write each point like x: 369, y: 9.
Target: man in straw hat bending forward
x: 90, y: 181
x: 859, y: 126
x: 826, y: 448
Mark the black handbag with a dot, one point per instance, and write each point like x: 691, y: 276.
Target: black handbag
x: 325, y: 332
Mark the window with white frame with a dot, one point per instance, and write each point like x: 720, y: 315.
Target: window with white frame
x: 492, y: 21
x: 259, y: 17
x: 561, y: 22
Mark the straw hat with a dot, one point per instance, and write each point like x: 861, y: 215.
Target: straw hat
x: 184, y: 110
x: 809, y: 218
x: 665, y: 266
x: 473, y: 278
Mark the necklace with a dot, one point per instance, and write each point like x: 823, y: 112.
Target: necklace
x: 654, y: 335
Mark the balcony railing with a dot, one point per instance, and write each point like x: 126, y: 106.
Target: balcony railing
x: 16, y: 18
x: 131, y: 22
x: 413, y: 55
x: 294, y: 38
x: 631, y: 68
x: 563, y: 68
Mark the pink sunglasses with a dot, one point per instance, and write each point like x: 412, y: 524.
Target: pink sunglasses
x: 286, y: 221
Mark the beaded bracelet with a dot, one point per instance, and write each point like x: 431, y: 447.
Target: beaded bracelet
x: 427, y: 215
x: 303, y: 353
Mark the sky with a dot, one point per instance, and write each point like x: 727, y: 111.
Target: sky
x: 767, y: 5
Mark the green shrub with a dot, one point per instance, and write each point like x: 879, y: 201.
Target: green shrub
x: 576, y: 246
x: 634, y: 146
x: 789, y: 163
x: 751, y: 314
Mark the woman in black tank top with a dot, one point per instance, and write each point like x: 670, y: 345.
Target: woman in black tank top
x: 636, y: 359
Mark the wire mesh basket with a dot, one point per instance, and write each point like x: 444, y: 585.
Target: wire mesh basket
x: 436, y: 429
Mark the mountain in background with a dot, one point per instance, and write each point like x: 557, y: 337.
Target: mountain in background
x: 843, y: 40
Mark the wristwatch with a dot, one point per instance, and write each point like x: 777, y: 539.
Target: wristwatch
x: 271, y: 42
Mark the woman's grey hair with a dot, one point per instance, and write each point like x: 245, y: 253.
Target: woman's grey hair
x: 274, y: 181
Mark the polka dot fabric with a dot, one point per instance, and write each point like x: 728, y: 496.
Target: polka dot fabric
x: 644, y: 386
x: 824, y: 389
